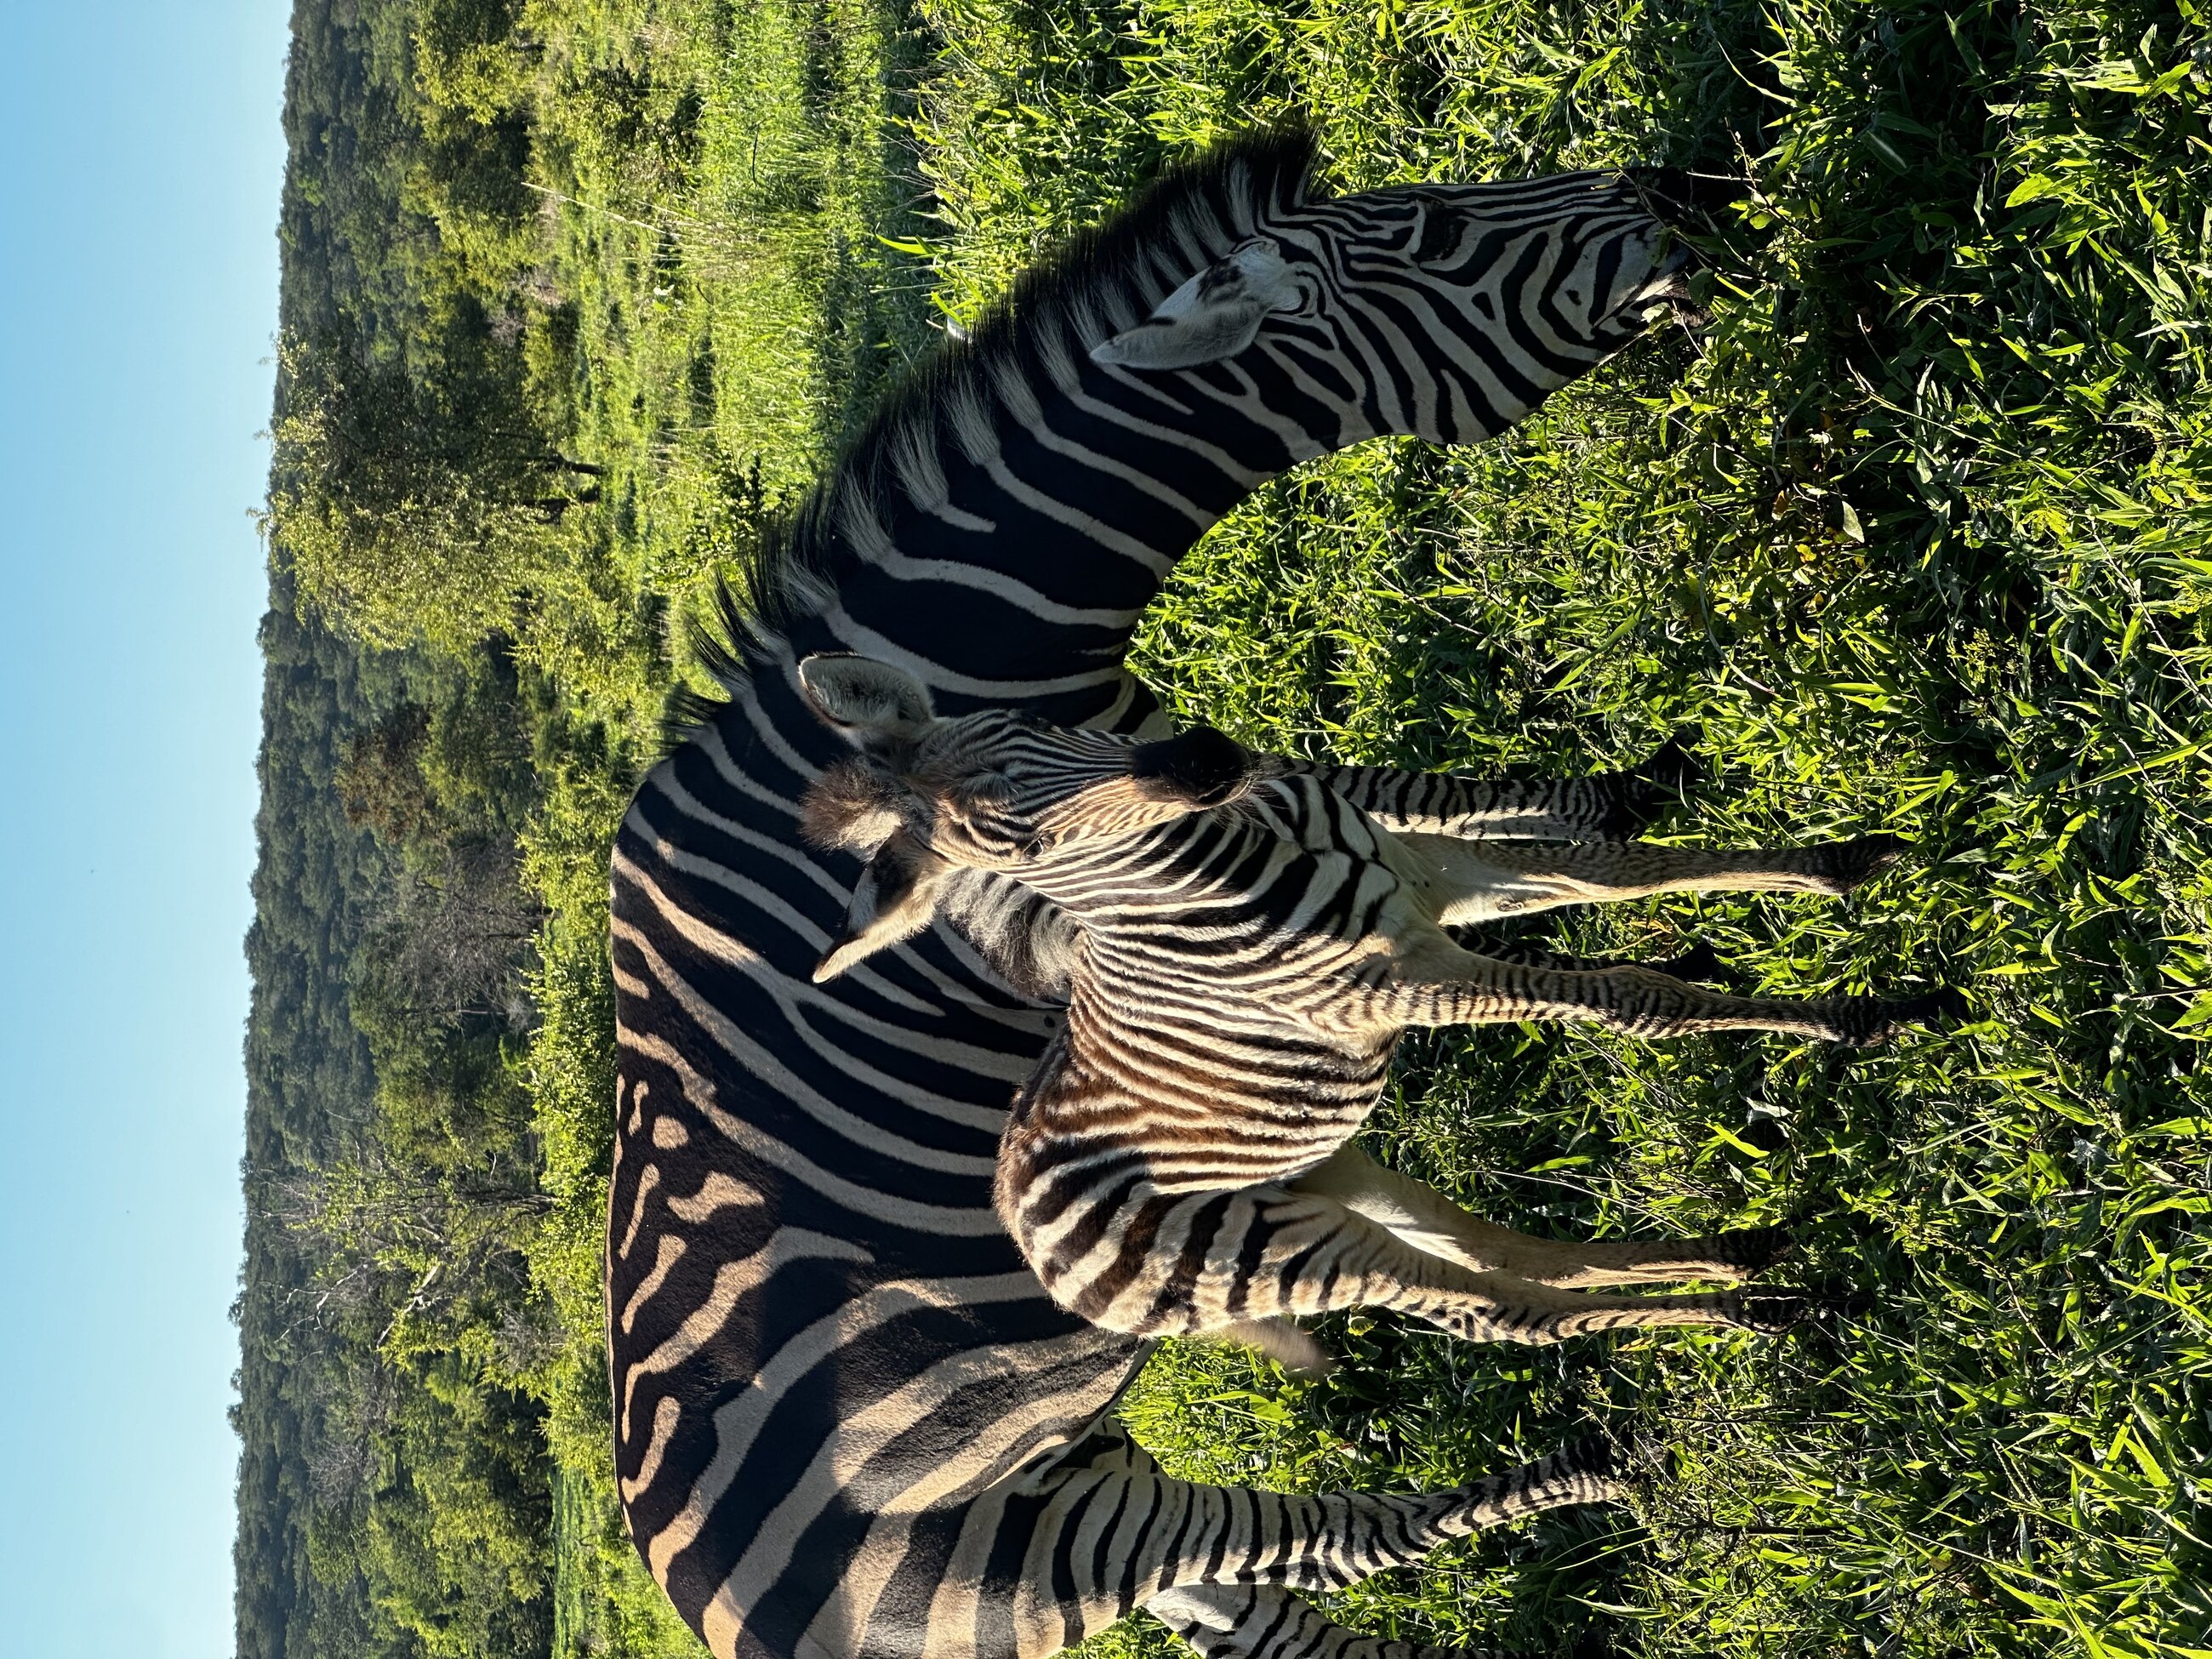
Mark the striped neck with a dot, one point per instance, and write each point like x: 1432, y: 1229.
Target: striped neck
x: 999, y: 528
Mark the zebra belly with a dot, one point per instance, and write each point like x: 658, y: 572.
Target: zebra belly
x: 1125, y: 1184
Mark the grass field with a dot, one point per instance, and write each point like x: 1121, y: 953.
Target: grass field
x: 1917, y: 535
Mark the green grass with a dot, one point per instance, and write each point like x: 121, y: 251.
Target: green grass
x: 1914, y: 534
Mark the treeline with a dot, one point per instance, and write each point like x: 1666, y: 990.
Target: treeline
x: 559, y: 284
x: 395, y: 1494
x: 415, y: 476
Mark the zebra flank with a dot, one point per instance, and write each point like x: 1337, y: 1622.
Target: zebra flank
x: 849, y: 1420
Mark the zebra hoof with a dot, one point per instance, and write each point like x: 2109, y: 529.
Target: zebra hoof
x: 1843, y: 1301
x: 1699, y: 965
x: 1845, y: 865
x: 1671, y: 767
x: 1749, y: 1249
x: 1946, y: 1006
x: 1781, y: 1313
x: 1645, y: 790
x: 1775, y: 1313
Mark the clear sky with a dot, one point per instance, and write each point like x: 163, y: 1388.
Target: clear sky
x: 138, y: 195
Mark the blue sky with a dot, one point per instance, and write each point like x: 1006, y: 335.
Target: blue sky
x: 137, y: 217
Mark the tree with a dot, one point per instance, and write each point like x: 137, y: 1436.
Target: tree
x: 379, y: 778
x: 426, y: 1260
x: 414, y: 503
x: 450, y: 944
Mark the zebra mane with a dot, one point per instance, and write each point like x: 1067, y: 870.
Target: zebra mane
x: 1111, y: 270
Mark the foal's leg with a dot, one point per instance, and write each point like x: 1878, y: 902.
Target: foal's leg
x: 1700, y: 962
x: 1227, y: 1617
x: 1259, y: 1621
x: 1471, y: 881
x: 1433, y: 982
x: 1186, y: 1263
x: 1603, y: 806
x: 1429, y: 1221
x: 1222, y: 1565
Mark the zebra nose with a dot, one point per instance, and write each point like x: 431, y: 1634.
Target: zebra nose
x: 1201, y: 768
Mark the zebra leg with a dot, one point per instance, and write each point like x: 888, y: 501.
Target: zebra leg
x: 1258, y: 1621
x: 1474, y: 881
x: 1498, y: 1307
x: 1607, y: 805
x: 1700, y: 963
x: 1335, y: 1540
x: 1427, y: 1220
x: 1186, y: 1263
x: 1088, y: 1544
x: 1238, y: 1620
x: 1437, y: 983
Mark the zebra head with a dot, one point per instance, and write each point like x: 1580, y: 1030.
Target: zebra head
x: 924, y: 797
x: 1445, y: 311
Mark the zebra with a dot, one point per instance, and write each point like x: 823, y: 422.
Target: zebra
x: 848, y: 1422
x: 1253, y: 944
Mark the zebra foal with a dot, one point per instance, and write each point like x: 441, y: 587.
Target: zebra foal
x: 1248, y: 943
x: 849, y: 1424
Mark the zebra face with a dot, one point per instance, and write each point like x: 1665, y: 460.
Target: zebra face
x: 925, y: 796
x: 1448, y: 311
x: 994, y: 790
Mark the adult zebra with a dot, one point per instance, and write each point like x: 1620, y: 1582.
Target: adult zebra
x: 848, y: 1419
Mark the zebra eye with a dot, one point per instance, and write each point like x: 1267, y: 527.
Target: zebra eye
x: 1310, y: 298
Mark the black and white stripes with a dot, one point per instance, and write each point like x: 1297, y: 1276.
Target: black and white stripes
x: 1248, y: 943
x: 848, y: 1419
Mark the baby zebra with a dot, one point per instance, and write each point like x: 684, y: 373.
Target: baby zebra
x: 1244, y: 939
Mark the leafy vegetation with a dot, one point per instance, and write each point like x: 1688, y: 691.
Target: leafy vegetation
x: 1914, y: 534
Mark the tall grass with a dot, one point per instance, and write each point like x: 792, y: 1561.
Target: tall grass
x: 1913, y: 534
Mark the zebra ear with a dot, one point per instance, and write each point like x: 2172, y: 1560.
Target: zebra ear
x: 895, y: 899
x: 1216, y: 314
x: 871, y: 704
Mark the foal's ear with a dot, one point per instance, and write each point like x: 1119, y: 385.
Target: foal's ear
x: 895, y: 899
x: 1216, y: 314
x: 871, y: 704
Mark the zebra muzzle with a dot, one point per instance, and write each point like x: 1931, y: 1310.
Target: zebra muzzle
x: 1199, y: 768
